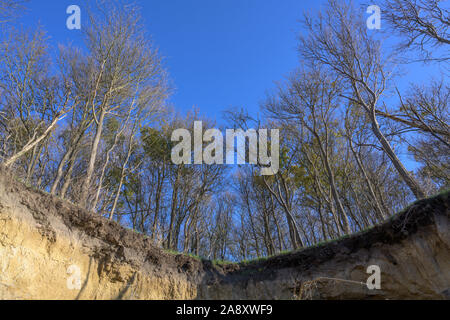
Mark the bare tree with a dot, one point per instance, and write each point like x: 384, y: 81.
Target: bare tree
x: 312, y: 99
x: 423, y: 24
x: 33, y: 102
x: 428, y: 107
x: 123, y: 59
x: 352, y: 128
x: 9, y: 9
x: 339, y: 41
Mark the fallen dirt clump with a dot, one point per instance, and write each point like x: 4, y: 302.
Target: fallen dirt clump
x: 43, y: 239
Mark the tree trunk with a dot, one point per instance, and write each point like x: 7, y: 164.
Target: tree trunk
x: 32, y: 143
x: 93, y: 157
x: 378, y: 209
x: 332, y: 182
x: 406, y: 176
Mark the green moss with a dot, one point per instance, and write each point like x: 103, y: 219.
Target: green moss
x: 222, y: 262
x: 176, y: 253
x: 170, y: 251
x: 139, y: 233
x: 194, y: 256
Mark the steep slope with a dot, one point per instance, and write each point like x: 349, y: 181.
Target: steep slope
x: 50, y: 249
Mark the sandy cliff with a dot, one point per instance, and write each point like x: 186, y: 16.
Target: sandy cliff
x: 50, y: 249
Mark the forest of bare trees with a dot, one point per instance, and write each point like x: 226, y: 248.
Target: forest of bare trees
x: 93, y: 126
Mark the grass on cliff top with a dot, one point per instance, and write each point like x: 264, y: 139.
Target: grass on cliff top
x: 177, y: 253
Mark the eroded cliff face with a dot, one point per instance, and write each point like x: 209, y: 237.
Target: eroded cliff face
x: 415, y: 267
x: 46, y: 244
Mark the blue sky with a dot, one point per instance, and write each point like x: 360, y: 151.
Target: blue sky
x: 219, y: 53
